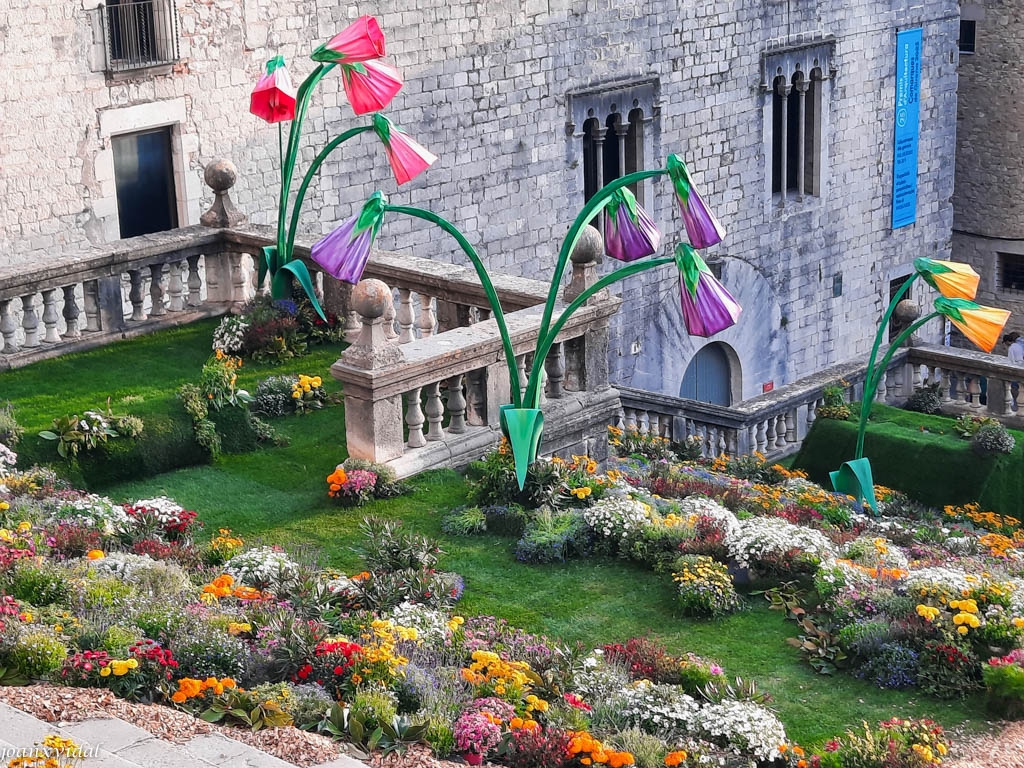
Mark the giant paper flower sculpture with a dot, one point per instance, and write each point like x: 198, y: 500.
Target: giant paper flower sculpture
x: 702, y: 228
x: 407, y: 157
x: 273, y: 98
x: 952, y: 279
x: 361, y: 40
x: 982, y: 325
x: 629, y: 231
x: 370, y: 85
x: 343, y: 253
x: 707, y: 306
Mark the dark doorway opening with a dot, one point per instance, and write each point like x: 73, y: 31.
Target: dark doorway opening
x: 144, y: 175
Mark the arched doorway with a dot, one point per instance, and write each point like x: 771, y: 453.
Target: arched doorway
x: 709, y: 376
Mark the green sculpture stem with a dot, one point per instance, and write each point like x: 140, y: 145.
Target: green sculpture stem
x: 485, y: 281
x: 872, y: 378
x: 876, y: 376
x: 545, y: 342
x: 308, y: 178
x: 591, y: 209
x: 288, y: 171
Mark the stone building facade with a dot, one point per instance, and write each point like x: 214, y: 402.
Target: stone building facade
x: 784, y: 112
x: 988, y: 222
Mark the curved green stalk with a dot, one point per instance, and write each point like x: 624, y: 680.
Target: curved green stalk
x: 876, y: 376
x: 302, y: 100
x: 545, y: 342
x: 485, y: 281
x: 308, y: 178
x: 871, y: 379
x: 591, y: 209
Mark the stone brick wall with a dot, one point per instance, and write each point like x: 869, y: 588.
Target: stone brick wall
x: 486, y: 89
x: 989, y: 199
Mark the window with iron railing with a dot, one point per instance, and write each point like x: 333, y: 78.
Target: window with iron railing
x: 138, y: 34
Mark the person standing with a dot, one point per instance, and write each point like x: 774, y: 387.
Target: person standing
x: 1016, y: 350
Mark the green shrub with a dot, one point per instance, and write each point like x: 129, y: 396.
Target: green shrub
x: 1004, y: 686
x: 705, y: 587
x: 38, y: 654
x: 373, y: 708
x: 105, y: 592
x: 10, y: 430
x: 39, y: 584
x: 648, y: 751
x: 925, y: 399
x: 464, y: 521
x: 554, y: 537
x: 202, y: 650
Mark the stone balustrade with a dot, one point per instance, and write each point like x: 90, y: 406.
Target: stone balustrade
x: 970, y: 381
x: 773, y: 424
x: 432, y: 401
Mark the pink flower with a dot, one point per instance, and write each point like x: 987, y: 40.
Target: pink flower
x: 273, y: 98
x: 361, y: 40
x: 714, y: 669
x: 407, y: 157
x: 370, y: 85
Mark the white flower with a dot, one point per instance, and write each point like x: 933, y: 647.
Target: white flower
x: 96, y: 511
x: 949, y: 579
x: 725, y: 520
x: 663, y: 710
x: 431, y: 625
x: 8, y: 459
x: 742, y: 726
x: 617, y: 517
x: 263, y: 568
x: 764, y: 537
x: 229, y: 334
x: 120, y: 564
x: 164, y: 509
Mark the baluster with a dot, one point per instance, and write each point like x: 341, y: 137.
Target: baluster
x: 427, y: 319
x: 175, y: 286
x: 1008, y: 398
x: 406, y: 316
x: 770, y: 435
x: 8, y: 328
x: 644, y: 422
x: 91, y: 300
x: 654, y: 424
x: 239, y: 290
x: 791, y: 419
x: 721, y: 441
x: 414, y: 418
x: 780, y: 431
x: 751, y: 445
x: 50, y: 316
x: 71, y: 313
x: 456, y: 406
x: 880, y: 392
x: 434, y: 411
x: 195, y: 282
x: 521, y: 366
x: 915, y: 371
x: 136, y: 293
x: 974, y: 392
x: 389, y: 324
x: 946, y: 390
x: 476, y: 397
x: 30, y: 321
x: 732, y: 439
x: 554, y: 367
x: 812, y: 408
x: 629, y: 416
x: 156, y: 290
x: 353, y: 327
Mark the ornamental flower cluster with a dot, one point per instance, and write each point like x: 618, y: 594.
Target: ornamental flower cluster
x: 705, y: 587
x: 352, y: 487
x: 189, y: 689
x: 307, y: 393
x: 617, y: 519
x: 264, y: 568
x: 767, y: 540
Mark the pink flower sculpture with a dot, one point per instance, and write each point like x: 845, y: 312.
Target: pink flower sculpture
x: 629, y: 232
x: 707, y: 307
x: 273, y: 98
x: 344, y: 252
x: 361, y: 40
x: 702, y: 227
x: 370, y: 85
x: 407, y: 157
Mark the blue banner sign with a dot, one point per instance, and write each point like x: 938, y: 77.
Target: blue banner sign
x: 908, y: 103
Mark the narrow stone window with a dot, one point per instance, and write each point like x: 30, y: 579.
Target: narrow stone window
x: 1010, y: 275
x: 968, y: 36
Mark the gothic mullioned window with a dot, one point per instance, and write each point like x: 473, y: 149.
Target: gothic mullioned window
x: 797, y: 80
x: 612, y: 130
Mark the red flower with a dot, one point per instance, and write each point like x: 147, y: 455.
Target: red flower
x: 370, y: 85
x: 408, y: 158
x: 273, y: 98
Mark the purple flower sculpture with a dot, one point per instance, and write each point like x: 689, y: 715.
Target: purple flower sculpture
x: 702, y: 227
x: 344, y: 252
x: 629, y: 231
x: 707, y: 307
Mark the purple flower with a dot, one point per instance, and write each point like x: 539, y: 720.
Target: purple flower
x: 344, y: 252
x: 702, y: 227
x: 629, y: 232
x: 707, y: 306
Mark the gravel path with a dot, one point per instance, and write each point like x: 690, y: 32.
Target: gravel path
x: 1004, y: 749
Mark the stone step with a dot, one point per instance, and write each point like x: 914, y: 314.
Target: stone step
x: 114, y: 743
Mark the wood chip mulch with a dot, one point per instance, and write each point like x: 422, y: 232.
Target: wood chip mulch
x: 56, y: 704
x: 1003, y: 749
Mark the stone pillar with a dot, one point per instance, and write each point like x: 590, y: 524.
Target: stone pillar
x: 373, y: 423
x: 220, y: 176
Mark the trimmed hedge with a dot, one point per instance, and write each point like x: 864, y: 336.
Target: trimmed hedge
x: 935, y: 467
x: 167, y: 442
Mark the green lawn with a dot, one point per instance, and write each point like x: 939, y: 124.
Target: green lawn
x: 277, y: 495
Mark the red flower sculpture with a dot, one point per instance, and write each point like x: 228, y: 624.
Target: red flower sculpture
x: 273, y: 98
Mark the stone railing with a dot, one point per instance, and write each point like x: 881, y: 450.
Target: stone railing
x: 970, y: 381
x: 434, y: 401
x: 773, y: 424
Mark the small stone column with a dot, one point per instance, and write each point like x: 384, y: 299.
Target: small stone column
x: 586, y: 357
x: 220, y: 176
x: 373, y: 423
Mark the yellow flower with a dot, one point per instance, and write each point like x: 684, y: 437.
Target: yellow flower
x: 105, y: 672
x: 581, y: 493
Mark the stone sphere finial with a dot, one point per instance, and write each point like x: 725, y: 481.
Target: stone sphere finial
x: 589, y: 247
x: 220, y: 175
x: 370, y: 298
x: 907, y: 311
